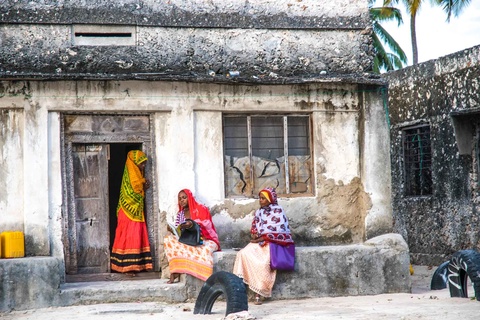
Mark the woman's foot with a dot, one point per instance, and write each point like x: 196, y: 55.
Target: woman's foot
x: 174, y: 276
x: 258, y: 300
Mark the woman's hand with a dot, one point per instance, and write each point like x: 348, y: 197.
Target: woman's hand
x: 186, y: 225
x: 256, y: 240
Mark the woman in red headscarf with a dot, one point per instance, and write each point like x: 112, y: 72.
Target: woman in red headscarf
x: 252, y: 263
x: 131, y: 248
x: 197, y: 260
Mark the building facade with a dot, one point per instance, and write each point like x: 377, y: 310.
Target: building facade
x: 434, y: 113
x: 225, y: 98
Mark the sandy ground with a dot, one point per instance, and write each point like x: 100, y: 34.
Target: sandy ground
x: 422, y: 303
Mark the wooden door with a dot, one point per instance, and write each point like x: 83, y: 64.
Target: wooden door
x: 90, y: 188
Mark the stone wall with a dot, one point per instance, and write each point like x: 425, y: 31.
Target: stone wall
x: 436, y: 92
x: 185, y: 39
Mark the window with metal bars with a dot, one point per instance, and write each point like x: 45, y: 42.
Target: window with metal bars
x: 267, y: 151
x: 417, y: 156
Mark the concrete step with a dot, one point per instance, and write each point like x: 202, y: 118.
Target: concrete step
x: 380, y: 265
x: 121, y: 291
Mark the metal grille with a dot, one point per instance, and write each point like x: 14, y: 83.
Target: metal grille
x: 267, y: 151
x: 417, y: 155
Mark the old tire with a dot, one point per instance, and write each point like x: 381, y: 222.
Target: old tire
x: 439, y: 277
x: 219, y: 283
x: 464, y: 264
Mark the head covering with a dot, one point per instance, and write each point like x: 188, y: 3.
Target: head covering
x: 270, y: 194
x: 132, y: 193
x: 201, y: 214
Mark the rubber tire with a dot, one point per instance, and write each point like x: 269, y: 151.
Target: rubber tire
x: 439, y: 277
x: 226, y: 283
x: 464, y: 264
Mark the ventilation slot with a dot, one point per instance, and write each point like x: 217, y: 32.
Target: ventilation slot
x: 88, y: 35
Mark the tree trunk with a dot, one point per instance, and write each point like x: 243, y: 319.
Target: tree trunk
x: 413, y: 34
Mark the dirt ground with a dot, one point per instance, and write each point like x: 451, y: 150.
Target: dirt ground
x: 422, y: 303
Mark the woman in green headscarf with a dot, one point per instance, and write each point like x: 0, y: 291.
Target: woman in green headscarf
x: 131, y: 248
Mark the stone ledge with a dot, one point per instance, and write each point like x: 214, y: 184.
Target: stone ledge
x: 380, y: 265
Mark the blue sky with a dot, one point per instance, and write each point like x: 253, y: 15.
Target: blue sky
x: 436, y: 37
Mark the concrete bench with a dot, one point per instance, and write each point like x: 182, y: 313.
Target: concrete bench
x: 380, y: 265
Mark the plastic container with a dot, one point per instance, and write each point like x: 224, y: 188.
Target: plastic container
x: 12, y: 244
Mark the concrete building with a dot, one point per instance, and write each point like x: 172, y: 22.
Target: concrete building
x: 225, y: 97
x: 434, y: 113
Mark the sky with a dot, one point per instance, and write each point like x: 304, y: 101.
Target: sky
x: 436, y: 37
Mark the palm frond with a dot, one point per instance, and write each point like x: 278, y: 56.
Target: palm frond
x: 385, y: 14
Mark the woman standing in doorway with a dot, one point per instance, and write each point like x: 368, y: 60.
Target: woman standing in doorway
x: 197, y: 260
x: 131, y: 248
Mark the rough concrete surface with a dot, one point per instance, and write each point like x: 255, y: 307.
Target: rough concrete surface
x: 422, y: 303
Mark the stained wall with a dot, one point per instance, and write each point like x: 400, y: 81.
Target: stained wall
x: 440, y: 93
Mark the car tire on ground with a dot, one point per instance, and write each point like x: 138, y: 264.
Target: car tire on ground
x: 439, y: 277
x: 464, y: 264
x: 226, y: 283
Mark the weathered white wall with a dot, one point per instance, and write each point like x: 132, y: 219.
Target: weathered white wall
x: 349, y: 144
x: 11, y: 167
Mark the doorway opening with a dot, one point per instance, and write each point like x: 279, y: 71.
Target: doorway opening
x: 94, y: 150
x: 116, y: 165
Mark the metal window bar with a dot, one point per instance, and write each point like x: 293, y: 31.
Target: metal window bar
x: 250, y: 152
x: 285, y: 153
x: 238, y: 143
x: 417, y: 161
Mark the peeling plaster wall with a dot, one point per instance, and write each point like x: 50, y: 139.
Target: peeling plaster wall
x: 305, y: 57
x: 447, y: 221
x: 11, y: 155
x: 189, y: 153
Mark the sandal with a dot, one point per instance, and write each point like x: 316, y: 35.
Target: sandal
x: 257, y: 301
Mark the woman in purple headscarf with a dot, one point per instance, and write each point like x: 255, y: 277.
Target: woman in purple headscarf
x: 252, y: 263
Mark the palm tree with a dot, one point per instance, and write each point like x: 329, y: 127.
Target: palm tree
x: 452, y: 6
x: 385, y: 61
x: 413, y: 8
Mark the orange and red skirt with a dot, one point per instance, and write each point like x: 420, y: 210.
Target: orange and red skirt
x: 131, y: 248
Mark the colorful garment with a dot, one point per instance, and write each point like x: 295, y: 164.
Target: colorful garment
x: 131, y: 247
x: 252, y: 263
x: 196, y: 261
x: 270, y: 222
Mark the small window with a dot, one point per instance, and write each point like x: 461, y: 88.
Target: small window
x: 267, y: 151
x: 417, y: 156
x: 103, y: 35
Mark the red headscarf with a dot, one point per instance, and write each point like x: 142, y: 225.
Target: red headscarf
x: 201, y: 214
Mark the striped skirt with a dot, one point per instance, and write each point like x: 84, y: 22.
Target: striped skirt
x: 131, y: 248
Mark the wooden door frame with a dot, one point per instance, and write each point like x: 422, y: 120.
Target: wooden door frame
x: 151, y: 206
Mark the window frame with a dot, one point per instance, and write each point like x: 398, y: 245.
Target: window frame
x: 408, y: 166
x: 285, y: 116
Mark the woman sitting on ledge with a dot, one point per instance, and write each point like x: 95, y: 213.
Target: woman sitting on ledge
x: 252, y: 263
x: 196, y: 260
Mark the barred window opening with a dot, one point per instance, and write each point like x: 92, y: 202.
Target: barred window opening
x: 417, y: 161
x: 267, y: 151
